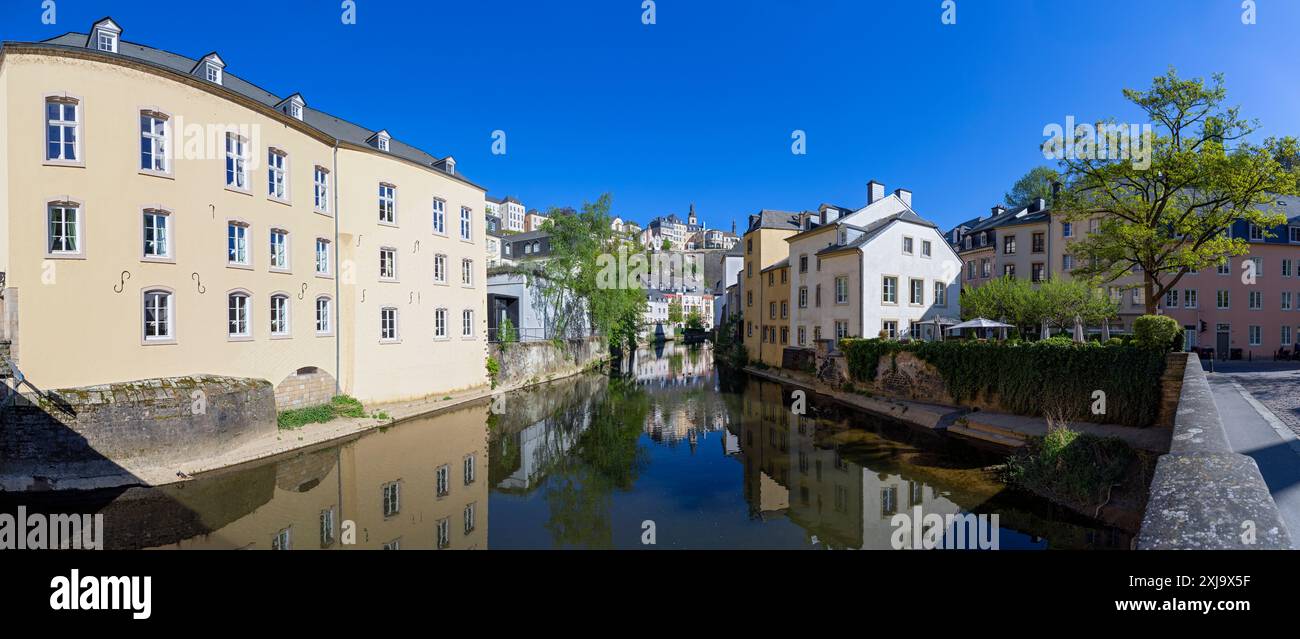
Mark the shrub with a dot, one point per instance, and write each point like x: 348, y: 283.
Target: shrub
x: 1024, y: 377
x: 1078, y: 467
x: 339, y: 406
x: 1156, y: 331
x: 493, y: 370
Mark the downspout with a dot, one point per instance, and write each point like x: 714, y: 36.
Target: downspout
x: 338, y: 300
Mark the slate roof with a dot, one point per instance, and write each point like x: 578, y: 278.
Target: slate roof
x: 331, y: 126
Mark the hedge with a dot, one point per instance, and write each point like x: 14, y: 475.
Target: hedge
x: 1025, y: 377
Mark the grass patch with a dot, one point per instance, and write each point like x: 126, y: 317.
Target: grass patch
x: 1072, y: 466
x: 339, y: 406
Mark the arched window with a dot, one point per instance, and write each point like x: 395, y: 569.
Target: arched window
x: 238, y: 314
x: 323, y: 321
x: 279, y: 315
x: 159, y: 315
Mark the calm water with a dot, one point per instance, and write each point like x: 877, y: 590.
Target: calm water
x: 713, y: 459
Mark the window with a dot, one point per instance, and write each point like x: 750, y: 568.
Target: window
x: 1295, y: 234
x: 387, y: 204
x: 387, y: 263
x: 986, y: 268
x: 784, y: 309
x: 279, y: 249
x: 467, y: 323
x: 1221, y: 298
x: 212, y: 72
x: 926, y: 248
x: 803, y: 335
x: 322, y: 256
x: 803, y: 297
x: 439, y: 217
x: 467, y: 272
x: 236, y: 162
x: 842, y: 290
x: 1009, y: 270
x: 157, y: 244
x: 444, y: 533
x: 388, y: 324
x: 153, y: 142
x: 283, y: 540
x: 907, y: 246
x: 889, y: 290
x: 323, y: 315
x: 749, y: 298
x: 1189, y: 298
x: 889, y: 328
x: 62, y: 130
x: 442, y: 481
x: 1009, y: 245
x: 158, y: 315
x: 1286, y: 268
x: 841, y: 329
x: 392, y: 498
x: 1286, y: 300
x: 785, y: 334
x: 1256, y: 233
x: 321, y: 189
x: 1171, y: 298
x: 237, y: 315
x: 771, y: 310
x: 917, y: 293
x: 468, y: 468
x: 280, y: 315
x: 237, y: 243
x: 440, y: 323
x: 1256, y: 337
x: 1036, y: 272
x: 1037, y: 242
x: 817, y: 296
x: 970, y: 270
x: 803, y: 263
x: 466, y: 223
x: 1256, y: 299
x: 1286, y: 335
x: 1256, y: 269
x: 771, y: 279
x: 277, y: 186
x: 1094, y: 225
x: 64, y: 228
x: 1225, y: 267
x: 1067, y: 229
x: 327, y: 527
x: 106, y: 41
x: 940, y: 294
x: 469, y: 519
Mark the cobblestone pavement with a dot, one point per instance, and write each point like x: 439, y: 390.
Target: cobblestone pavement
x: 1278, y: 391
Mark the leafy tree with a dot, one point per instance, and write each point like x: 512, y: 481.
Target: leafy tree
x: 695, y: 321
x: 1026, y: 306
x: 667, y: 244
x: 675, y: 310
x: 1165, y: 212
x: 1031, y: 186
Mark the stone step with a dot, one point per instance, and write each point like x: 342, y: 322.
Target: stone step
x: 987, y: 436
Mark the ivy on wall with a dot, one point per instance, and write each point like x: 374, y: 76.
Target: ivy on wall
x: 1027, y: 378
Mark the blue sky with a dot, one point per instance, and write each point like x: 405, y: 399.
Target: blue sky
x: 700, y: 106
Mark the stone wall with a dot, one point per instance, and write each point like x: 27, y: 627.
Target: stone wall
x: 1171, y: 387
x: 135, y: 424
x: 306, y: 387
x: 541, y: 361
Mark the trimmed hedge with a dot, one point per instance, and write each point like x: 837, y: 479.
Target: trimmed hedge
x: 1025, y: 377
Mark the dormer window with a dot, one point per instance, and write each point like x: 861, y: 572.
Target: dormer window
x: 213, y: 73
x: 105, y: 35
x: 451, y: 166
x: 381, y: 140
x: 293, y: 106
x: 210, y: 68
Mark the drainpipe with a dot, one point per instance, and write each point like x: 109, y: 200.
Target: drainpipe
x: 338, y: 300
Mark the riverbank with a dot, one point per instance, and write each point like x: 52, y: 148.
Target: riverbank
x: 1007, y: 434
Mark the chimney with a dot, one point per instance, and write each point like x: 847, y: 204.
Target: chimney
x: 904, y: 195
x: 875, y: 192
x: 1056, y: 191
x: 998, y: 209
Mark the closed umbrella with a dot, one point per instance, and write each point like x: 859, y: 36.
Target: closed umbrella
x: 1105, y: 330
x: 1047, y: 331
x: 1078, y: 329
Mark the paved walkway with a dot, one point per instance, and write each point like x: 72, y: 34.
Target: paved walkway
x: 1261, y: 414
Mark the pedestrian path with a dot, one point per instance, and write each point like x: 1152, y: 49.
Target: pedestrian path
x: 1254, y: 430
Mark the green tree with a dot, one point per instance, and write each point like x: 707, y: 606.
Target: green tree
x: 667, y: 244
x: 695, y: 321
x: 1031, y: 186
x: 675, y: 310
x: 1163, y: 211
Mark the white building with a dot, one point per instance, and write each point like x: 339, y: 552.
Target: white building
x: 509, y: 209
x: 878, y: 270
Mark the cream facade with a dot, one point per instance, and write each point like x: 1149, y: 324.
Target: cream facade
x: 183, y: 221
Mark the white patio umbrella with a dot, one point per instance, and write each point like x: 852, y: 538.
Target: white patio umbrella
x: 1105, y: 330
x: 939, y: 323
x: 1078, y: 329
x: 979, y: 322
x: 1047, y: 331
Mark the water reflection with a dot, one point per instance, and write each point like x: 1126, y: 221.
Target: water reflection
x: 713, y: 459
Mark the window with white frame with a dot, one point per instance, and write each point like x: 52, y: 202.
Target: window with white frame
x: 1256, y: 299
x: 322, y: 256
x: 1222, y: 298
x: 889, y: 328
x: 1256, y: 269
x: 157, y: 241
x: 279, y: 249
x: 1171, y: 298
x: 467, y: 272
x: 62, y: 130
x: 841, y: 329
x: 237, y: 310
x: 323, y: 315
x: 917, y: 295
x: 940, y: 294
x: 466, y: 223
x: 387, y: 203
x: 279, y: 314
x: 442, y: 481
x: 467, y: 323
x: 469, y: 519
x: 1286, y: 335
x: 1225, y: 267
x: 440, y: 269
x: 64, y: 228
x: 444, y: 533
x: 277, y: 183
x: 469, y: 469
x: 321, y: 189
x: 1286, y: 300
x: 387, y: 263
x: 213, y: 73
x: 1256, y: 233
x: 392, y: 498
x: 1189, y: 298
x: 439, y: 216
x: 888, y: 290
x: 388, y: 324
x: 926, y: 248
x: 153, y: 142
x: 842, y: 290
x: 236, y: 162
x: 803, y: 297
x: 283, y: 540
x: 440, y: 322
x: 1256, y: 335
x: 327, y: 527
x: 237, y: 243
x: 907, y: 245
x: 1286, y: 268
x: 158, y: 315
x: 106, y: 41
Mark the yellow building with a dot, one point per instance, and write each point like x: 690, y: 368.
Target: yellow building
x: 764, y: 247
x: 168, y: 218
